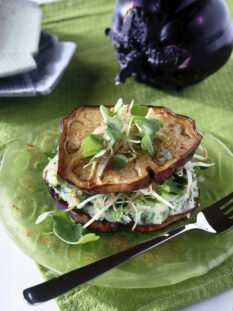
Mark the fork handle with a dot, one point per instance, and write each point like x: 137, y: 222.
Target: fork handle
x: 57, y: 286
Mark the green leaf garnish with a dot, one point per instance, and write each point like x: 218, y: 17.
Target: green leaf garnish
x: 42, y: 217
x: 146, y: 144
x: 65, y: 227
x: 136, y: 118
x: 112, y: 132
x: 94, y: 136
x: 112, y: 117
x: 176, y: 184
x: 91, y: 144
x: 89, y: 237
x: 148, y: 126
x: 50, y: 155
x: 118, y: 213
x: 116, y: 120
x: 165, y: 155
x: 100, y: 153
x: 59, y: 179
x: 68, y: 231
x: 106, y: 112
x: 119, y: 161
x: 123, y: 134
x: 138, y: 110
x: 163, y: 190
x: 118, y: 105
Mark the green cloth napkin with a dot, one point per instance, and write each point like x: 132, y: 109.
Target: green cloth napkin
x: 94, y: 298
x: 89, y: 80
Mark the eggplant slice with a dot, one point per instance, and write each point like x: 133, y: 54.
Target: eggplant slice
x: 137, y: 174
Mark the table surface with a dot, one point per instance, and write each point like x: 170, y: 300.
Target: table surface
x: 19, y: 272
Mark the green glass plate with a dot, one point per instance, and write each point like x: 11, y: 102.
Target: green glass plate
x: 24, y: 196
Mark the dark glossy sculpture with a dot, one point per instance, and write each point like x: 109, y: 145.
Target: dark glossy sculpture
x: 170, y: 43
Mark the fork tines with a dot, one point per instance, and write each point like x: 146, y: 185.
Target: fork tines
x: 228, y: 210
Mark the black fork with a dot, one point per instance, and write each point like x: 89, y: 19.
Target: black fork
x: 216, y: 218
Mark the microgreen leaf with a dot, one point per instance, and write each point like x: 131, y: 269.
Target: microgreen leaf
x: 59, y: 179
x: 42, y: 217
x: 65, y: 227
x: 100, y: 154
x: 118, y: 105
x: 135, y: 118
x: 50, y: 155
x: 146, y: 144
x: 106, y: 112
x: 116, y: 120
x: 138, y: 110
x: 165, y: 155
x: 149, y: 202
x: 148, y: 126
x: 163, y: 190
x: 118, y: 213
x: 91, y: 145
x: 176, y: 184
x: 94, y: 136
x: 89, y: 237
x: 119, y: 136
x: 119, y: 161
x: 113, y: 131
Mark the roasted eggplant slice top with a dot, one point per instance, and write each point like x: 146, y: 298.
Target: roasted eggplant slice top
x: 178, y: 133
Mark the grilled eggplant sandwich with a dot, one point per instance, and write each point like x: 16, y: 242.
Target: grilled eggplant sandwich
x: 126, y: 165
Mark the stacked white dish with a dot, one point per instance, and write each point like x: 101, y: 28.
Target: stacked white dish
x: 20, y: 24
x: 31, y: 61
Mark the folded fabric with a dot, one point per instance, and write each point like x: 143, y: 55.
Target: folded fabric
x: 19, y: 37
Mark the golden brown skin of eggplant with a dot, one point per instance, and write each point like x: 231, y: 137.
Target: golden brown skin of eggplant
x: 137, y: 174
